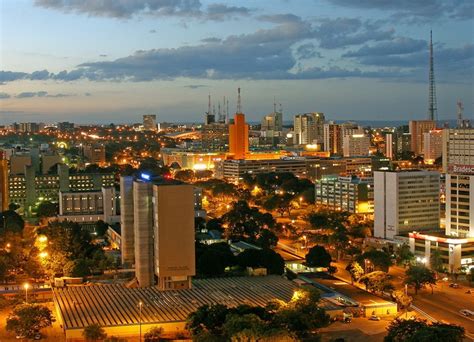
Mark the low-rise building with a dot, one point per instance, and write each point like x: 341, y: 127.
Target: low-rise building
x: 346, y: 193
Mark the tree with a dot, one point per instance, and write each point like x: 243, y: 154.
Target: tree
x: 404, y: 255
x: 246, y: 222
x: 280, y: 203
x: 47, y: 209
x: 184, y: 175
x: 27, y: 319
x: 436, y: 260
x: 378, y: 259
x: 235, y: 324
x: 318, y: 257
x: 211, y: 260
x: 154, y: 334
x: 94, y: 332
x: 419, y: 276
x: 355, y: 270
x: 266, y: 239
x: 377, y: 281
x: 403, y: 300
x: 267, y: 258
x: 417, y: 330
x: 207, y: 318
x: 10, y: 221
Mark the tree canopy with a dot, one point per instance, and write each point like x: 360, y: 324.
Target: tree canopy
x: 27, y: 319
x: 318, y: 257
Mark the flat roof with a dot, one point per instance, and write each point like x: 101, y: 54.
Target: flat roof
x: 115, y: 305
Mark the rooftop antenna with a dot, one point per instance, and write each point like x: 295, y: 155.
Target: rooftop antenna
x: 239, y: 102
x: 274, y: 105
x: 214, y: 109
x: 432, y: 106
x: 227, y: 112
x: 219, y: 114
x: 460, y: 107
x: 209, y: 104
x: 281, y: 108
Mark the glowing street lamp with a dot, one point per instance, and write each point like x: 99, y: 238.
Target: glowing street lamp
x: 26, y: 286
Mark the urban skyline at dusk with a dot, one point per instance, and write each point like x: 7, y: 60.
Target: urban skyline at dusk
x: 112, y: 61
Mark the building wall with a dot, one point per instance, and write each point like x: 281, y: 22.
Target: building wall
x: 4, y: 191
x: 18, y: 164
x: 417, y: 129
x: 459, y: 205
x: 126, y: 220
x: 356, y: 145
x: 143, y: 232
x: 458, y: 150
x: 405, y: 201
x: 239, y: 137
x: 433, y: 146
x: 174, y: 235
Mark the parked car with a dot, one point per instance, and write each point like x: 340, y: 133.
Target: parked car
x: 374, y: 318
x: 454, y: 285
x: 466, y: 312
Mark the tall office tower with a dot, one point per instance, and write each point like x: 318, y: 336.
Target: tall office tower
x: 332, y: 138
x: 273, y: 121
x: 405, y: 201
x: 389, y: 144
x: 432, y: 145
x: 356, y: 145
x: 4, y: 202
x: 349, y: 129
x: 94, y: 153
x: 458, y: 163
x: 402, y: 140
x: 163, y: 230
x: 417, y: 129
x: 309, y: 129
x: 239, y: 134
x: 149, y: 122
x: 126, y: 221
x: 209, y: 117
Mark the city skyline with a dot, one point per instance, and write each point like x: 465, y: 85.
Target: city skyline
x: 87, y: 61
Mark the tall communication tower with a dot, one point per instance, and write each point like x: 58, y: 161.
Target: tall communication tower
x: 239, y: 102
x: 432, y: 106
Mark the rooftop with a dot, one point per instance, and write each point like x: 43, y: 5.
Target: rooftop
x: 114, y: 305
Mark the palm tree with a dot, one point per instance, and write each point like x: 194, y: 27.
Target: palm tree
x: 94, y: 332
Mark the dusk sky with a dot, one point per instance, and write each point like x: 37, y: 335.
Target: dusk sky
x: 101, y: 61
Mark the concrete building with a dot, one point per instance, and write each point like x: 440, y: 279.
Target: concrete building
x: 215, y: 137
x: 405, y: 201
x: 356, y: 145
x: 238, y: 137
x: 273, y: 122
x: 4, y: 198
x: 333, y: 138
x: 455, y: 252
x: 417, y: 129
x: 309, y: 129
x: 88, y: 206
x: 149, y: 122
x: 458, y: 163
x: 94, y: 153
x: 233, y: 170
x: 126, y: 221
x: 432, y: 145
x: 163, y: 231
x: 18, y: 161
x: 350, y: 193
x: 389, y: 146
x: 48, y: 161
x: 29, y: 188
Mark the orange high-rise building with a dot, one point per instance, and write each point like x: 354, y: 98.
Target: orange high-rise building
x: 3, y: 183
x: 238, y: 137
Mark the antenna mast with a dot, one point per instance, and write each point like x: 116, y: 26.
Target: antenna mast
x: 460, y: 106
x: 239, y: 102
x: 432, y: 106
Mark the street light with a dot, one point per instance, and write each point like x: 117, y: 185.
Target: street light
x: 140, y: 304
x: 26, y: 286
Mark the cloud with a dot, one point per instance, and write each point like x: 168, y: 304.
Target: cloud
x: 87, y: 94
x: 29, y: 94
x: 195, y: 86
x: 422, y: 9
x: 397, y: 46
x: 4, y: 96
x: 211, y: 40
x: 307, y: 51
x: 103, y: 55
x: 343, y: 32
x: 127, y: 9
x: 152, y: 31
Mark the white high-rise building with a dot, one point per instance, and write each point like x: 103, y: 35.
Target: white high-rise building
x: 458, y: 163
x: 149, y: 122
x: 405, y: 201
x: 433, y: 145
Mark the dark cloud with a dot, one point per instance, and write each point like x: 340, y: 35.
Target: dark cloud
x: 211, y: 40
x: 406, y: 9
x: 343, y: 32
x: 4, y: 96
x: 8, y: 76
x: 39, y: 94
x: 307, y: 51
x: 87, y: 94
x: 397, y: 46
x: 152, y: 31
x: 127, y: 9
x: 221, y: 12
x: 195, y: 86
x: 103, y: 55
